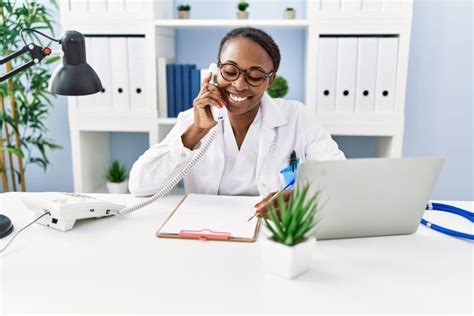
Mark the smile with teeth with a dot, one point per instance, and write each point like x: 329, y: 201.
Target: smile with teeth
x: 237, y: 98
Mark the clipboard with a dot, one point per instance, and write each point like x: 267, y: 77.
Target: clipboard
x: 212, y: 217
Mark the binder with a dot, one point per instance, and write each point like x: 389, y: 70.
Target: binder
x: 136, y: 66
x: 386, y: 74
x: 134, y: 5
x: 88, y: 102
x: 187, y: 101
x: 366, y: 75
x: 371, y: 5
x: 327, y: 71
x: 330, y: 5
x: 351, y: 4
x: 79, y: 6
x: 97, y: 6
x: 195, y: 83
x: 163, y: 86
x: 178, y: 89
x: 100, y: 61
x: 212, y: 217
x: 346, y: 74
x: 116, y: 5
x: 120, y: 77
x: 170, y: 87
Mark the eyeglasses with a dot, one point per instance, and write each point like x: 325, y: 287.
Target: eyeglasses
x: 253, y: 76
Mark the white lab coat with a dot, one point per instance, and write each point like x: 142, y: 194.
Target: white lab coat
x: 286, y: 126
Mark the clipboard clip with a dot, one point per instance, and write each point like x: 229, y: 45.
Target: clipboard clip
x: 204, y: 234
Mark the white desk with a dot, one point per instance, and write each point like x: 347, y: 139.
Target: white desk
x: 117, y: 265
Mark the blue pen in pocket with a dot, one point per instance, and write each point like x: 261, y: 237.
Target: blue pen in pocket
x: 289, y: 172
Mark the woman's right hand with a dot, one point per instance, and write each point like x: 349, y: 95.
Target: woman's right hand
x: 209, y: 95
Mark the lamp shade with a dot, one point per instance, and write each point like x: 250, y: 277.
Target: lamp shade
x: 74, y: 76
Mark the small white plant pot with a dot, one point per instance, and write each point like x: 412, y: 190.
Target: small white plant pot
x: 285, y: 261
x: 117, y: 187
x: 289, y: 14
x: 242, y: 15
x: 184, y: 15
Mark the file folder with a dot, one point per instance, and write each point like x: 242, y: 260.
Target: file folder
x: 366, y: 75
x: 213, y: 217
x: 120, y: 77
x: 97, y: 5
x: 327, y: 71
x: 137, y: 68
x: 178, y: 89
x: 371, y: 5
x: 116, y: 5
x: 351, y: 4
x: 346, y: 74
x: 88, y: 102
x: 170, y: 90
x: 163, y: 88
x: 386, y: 74
x: 100, y: 61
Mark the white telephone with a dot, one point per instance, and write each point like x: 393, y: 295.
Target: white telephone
x: 66, y: 208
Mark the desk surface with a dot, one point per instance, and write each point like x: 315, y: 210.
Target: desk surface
x: 117, y: 265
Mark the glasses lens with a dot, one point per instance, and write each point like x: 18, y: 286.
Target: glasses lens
x: 255, y: 77
x: 229, y: 72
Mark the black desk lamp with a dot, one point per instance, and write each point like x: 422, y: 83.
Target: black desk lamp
x: 73, y: 77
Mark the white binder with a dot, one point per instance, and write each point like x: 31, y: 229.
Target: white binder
x: 78, y: 6
x: 87, y: 102
x: 351, y: 4
x: 330, y: 5
x: 120, y: 74
x: 116, y: 5
x: 97, y: 5
x: 136, y: 67
x: 100, y: 61
x: 134, y: 5
x: 366, y: 75
x: 327, y: 70
x: 386, y: 74
x: 346, y: 74
x: 372, y: 5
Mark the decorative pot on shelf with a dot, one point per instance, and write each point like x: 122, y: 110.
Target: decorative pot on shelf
x: 117, y: 187
x: 242, y: 15
x: 289, y: 14
x: 184, y: 15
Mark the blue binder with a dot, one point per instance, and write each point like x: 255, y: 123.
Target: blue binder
x: 170, y: 89
x: 195, y: 83
x: 178, y: 86
x: 187, y: 101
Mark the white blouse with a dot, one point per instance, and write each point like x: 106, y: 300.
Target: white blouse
x: 239, y: 176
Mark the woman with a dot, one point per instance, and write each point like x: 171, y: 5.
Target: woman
x: 257, y: 136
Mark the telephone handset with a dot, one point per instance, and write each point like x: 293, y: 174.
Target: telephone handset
x: 216, y: 113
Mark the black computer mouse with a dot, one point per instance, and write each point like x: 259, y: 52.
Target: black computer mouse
x: 6, y: 226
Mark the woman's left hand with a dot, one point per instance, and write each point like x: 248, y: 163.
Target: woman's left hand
x: 263, y: 204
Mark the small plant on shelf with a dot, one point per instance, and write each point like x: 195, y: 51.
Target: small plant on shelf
x: 242, y: 12
x: 117, y: 177
x: 184, y: 11
x: 278, y: 88
x: 289, y: 13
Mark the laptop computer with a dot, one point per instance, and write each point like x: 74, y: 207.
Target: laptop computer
x: 370, y: 197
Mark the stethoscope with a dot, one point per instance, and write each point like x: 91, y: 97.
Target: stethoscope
x: 449, y: 209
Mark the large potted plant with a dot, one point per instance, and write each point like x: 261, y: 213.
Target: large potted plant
x: 117, y: 178
x: 278, y: 88
x: 24, y: 98
x: 288, y: 250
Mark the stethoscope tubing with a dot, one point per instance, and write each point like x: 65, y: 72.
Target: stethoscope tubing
x: 449, y: 209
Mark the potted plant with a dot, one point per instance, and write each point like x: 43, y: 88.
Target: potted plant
x: 289, y: 13
x: 25, y: 101
x: 117, y: 178
x: 242, y: 13
x: 278, y: 88
x: 184, y: 11
x: 288, y: 250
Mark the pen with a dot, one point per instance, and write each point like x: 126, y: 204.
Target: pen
x: 274, y: 197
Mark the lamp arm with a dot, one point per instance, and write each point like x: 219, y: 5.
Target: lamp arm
x: 37, y: 54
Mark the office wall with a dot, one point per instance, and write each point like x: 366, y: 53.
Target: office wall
x: 439, y: 116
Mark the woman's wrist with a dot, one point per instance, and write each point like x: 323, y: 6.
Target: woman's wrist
x: 193, y: 135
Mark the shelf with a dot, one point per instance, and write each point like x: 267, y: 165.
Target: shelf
x: 297, y: 23
x: 167, y: 120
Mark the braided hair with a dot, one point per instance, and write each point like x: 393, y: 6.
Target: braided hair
x: 257, y: 36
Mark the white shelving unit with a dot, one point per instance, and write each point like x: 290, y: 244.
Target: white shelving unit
x: 154, y: 20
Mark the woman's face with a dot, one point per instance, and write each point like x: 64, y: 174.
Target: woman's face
x: 244, y: 53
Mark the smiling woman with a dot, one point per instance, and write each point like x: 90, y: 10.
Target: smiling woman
x: 256, y: 137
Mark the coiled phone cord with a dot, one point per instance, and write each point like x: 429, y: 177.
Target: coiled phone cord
x: 165, y: 190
